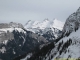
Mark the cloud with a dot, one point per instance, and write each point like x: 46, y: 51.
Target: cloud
x: 24, y: 10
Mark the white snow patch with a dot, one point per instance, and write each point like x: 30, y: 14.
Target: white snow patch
x: 3, y: 50
x: 14, y: 52
x: 58, y: 24
x: 45, y: 24
x: 20, y: 45
x: 11, y: 29
x: 5, y: 42
x: 28, y: 56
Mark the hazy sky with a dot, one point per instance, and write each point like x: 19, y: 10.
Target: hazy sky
x: 23, y: 10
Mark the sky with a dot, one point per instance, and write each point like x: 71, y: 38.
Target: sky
x: 23, y: 10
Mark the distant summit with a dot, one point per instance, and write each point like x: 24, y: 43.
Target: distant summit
x: 11, y: 25
x: 46, y: 23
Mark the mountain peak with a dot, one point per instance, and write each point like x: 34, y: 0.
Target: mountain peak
x: 46, y: 19
x: 72, y: 22
x: 46, y: 23
x: 78, y: 10
x: 58, y: 24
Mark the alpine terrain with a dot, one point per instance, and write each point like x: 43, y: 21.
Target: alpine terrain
x: 50, y: 29
x: 16, y: 41
x: 66, y: 46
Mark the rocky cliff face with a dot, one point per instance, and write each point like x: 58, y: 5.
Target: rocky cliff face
x: 6, y: 36
x: 72, y: 23
x: 6, y: 30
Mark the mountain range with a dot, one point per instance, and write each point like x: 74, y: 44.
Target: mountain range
x: 16, y: 39
x: 50, y: 29
x: 41, y: 40
x: 46, y: 23
x: 67, y: 46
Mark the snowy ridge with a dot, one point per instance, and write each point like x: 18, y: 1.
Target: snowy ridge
x: 49, y: 29
x: 7, y: 34
x: 16, y: 25
x: 45, y: 24
x: 11, y: 30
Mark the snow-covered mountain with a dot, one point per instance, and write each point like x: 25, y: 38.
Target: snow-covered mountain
x: 44, y: 24
x: 35, y: 47
x: 72, y: 22
x: 49, y: 29
x: 67, y: 46
x: 16, y: 41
